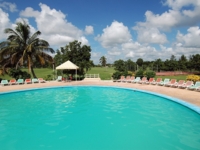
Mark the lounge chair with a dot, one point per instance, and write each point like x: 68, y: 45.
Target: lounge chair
x: 59, y: 78
x: 27, y: 81
x: 186, y: 85
x: 126, y: 79
x: 41, y: 80
x: 4, y: 82
x: 137, y: 79
x: 12, y: 82
x: 195, y: 86
x: 20, y: 81
x: 121, y: 79
x: 150, y: 81
x: 132, y: 78
x: 171, y: 83
x: 179, y: 83
x: 144, y: 79
x: 163, y: 83
x: 158, y: 80
x: 34, y: 80
x: 198, y: 89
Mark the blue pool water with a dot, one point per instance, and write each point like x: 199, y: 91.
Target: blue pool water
x: 95, y: 118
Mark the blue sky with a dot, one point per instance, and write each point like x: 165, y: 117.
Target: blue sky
x: 116, y: 29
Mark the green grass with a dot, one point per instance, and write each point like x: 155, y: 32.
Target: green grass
x: 104, y: 72
x: 41, y: 72
x: 178, y: 77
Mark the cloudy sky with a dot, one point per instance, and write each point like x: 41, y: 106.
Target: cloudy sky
x: 116, y: 29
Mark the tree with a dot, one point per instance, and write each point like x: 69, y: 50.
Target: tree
x: 130, y: 65
x: 102, y: 61
x: 158, y: 64
x: 195, y: 62
x: 139, y: 62
x: 21, y: 48
x: 182, y: 63
x: 120, y: 65
x: 76, y: 53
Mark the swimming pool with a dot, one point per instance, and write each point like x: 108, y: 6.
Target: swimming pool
x: 93, y: 117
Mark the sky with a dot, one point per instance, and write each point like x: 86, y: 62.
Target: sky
x: 116, y: 29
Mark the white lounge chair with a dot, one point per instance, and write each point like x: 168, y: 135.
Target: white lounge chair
x: 195, y: 86
x: 163, y: 83
x: 137, y: 79
x: 4, y: 82
x: 59, y: 78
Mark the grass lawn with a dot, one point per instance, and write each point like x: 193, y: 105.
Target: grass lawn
x: 178, y: 77
x: 104, y: 72
x: 41, y: 72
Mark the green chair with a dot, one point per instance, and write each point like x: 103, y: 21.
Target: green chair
x: 137, y: 79
x: 162, y: 83
x: 4, y: 82
x: 59, y: 78
x: 20, y: 81
x: 35, y: 80
x: 195, y: 86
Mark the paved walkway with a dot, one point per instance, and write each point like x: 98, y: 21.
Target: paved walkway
x: 192, y: 97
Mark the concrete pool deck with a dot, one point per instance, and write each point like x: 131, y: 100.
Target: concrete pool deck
x: 192, y: 97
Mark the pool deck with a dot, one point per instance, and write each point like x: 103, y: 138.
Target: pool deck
x: 192, y: 97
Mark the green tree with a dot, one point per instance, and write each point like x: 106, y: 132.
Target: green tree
x: 195, y: 62
x: 182, y: 63
x: 158, y: 64
x: 76, y: 53
x: 21, y: 48
x: 130, y: 65
x: 102, y: 61
x: 140, y: 62
x: 119, y: 65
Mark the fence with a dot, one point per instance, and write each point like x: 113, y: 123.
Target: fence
x: 91, y: 75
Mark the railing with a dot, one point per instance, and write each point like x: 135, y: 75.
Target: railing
x: 91, y: 75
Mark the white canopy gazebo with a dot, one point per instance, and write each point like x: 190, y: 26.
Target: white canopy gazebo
x: 68, y: 65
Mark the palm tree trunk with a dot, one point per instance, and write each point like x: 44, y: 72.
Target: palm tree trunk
x: 32, y: 72
x: 31, y: 66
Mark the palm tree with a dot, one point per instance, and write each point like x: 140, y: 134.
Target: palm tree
x: 20, y: 47
x: 102, y: 61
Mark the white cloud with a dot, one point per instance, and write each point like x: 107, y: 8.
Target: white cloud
x: 29, y: 12
x: 54, y: 26
x: 89, y: 30
x: 4, y: 23
x: 191, y: 39
x: 178, y: 4
x: 114, y: 35
x: 9, y: 6
x: 150, y: 35
x: 177, y: 16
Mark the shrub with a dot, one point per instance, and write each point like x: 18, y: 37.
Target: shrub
x: 149, y: 74
x: 48, y: 77
x: 18, y: 74
x: 139, y: 73
x: 117, y: 75
x: 193, y: 78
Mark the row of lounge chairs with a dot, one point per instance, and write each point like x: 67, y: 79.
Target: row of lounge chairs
x: 22, y: 81
x: 166, y: 82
